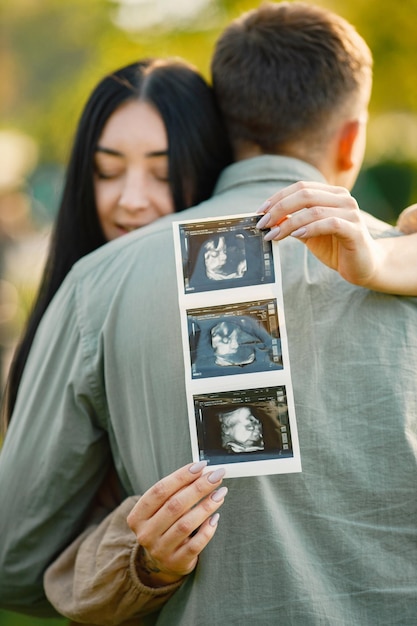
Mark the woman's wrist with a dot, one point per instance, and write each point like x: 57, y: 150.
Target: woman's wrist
x: 149, y: 572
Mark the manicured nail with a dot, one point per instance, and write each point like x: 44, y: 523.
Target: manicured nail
x: 265, y: 219
x: 264, y: 206
x: 300, y: 232
x: 214, y: 519
x: 274, y: 232
x: 197, y: 467
x: 218, y: 495
x: 217, y: 475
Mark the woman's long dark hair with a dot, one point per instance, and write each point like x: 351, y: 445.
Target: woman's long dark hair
x: 198, y: 150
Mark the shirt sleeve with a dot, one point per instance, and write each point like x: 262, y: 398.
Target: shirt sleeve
x: 53, y: 459
x: 95, y: 579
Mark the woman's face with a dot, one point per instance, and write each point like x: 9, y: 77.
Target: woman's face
x: 131, y: 170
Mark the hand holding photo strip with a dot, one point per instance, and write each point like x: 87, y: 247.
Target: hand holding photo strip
x: 237, y: 370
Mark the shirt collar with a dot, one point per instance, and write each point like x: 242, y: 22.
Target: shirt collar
x: 266, y: 168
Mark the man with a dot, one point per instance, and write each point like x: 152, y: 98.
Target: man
x: 335, y: 544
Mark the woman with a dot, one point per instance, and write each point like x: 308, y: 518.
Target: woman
x: 149, y: 142
x: 122, y: 176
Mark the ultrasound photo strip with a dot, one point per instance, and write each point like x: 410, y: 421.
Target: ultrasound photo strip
x: 237, y: 370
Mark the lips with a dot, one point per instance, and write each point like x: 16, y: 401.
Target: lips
x: 128, y: 228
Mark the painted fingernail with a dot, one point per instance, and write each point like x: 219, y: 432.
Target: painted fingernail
x: 197, y: 467
x: 300, y: 232
x: 218, y: 495
x: 264, y: 206
x: 265, y: 219
x: 217, y: 475
x: 214, y: 519
x: 274, y: 232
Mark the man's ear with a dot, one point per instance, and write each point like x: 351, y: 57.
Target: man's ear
x: 346, y: 153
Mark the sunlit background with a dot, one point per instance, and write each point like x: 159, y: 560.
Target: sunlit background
x: 53, y: 52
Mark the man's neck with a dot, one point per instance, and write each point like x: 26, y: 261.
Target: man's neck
x: 325, y: 165
x: 247, y: 150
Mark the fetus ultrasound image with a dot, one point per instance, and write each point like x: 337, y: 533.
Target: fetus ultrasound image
x: 224, y: 254
x: 234, y: 339
x: 245, y: 425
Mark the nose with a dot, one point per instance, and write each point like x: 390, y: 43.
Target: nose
x: 134, y: 194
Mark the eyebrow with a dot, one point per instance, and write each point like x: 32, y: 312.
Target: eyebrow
x: 155, y: 153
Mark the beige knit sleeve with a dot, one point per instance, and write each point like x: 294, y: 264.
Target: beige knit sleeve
x: 95, y: 579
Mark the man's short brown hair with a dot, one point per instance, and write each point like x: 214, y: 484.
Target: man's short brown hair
x: 279, y: 72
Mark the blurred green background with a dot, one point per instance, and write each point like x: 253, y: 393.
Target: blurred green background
x: 52, y: 53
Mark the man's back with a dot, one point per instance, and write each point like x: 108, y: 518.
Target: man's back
x: 335, y: 544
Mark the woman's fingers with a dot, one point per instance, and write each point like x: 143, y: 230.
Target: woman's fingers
x: 303, y: 203
x: 182, y: 513
x: 172, y: 496
x: 178, y: 549
x: 304, y: 194
x: 343, y: 230
x: 318, y: 220
x: 160, y: 492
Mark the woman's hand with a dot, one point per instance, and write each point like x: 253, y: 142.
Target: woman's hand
x: 328, y: 220
x: 174, y: 521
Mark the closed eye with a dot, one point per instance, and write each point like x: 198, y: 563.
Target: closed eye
x: 106, y: 175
